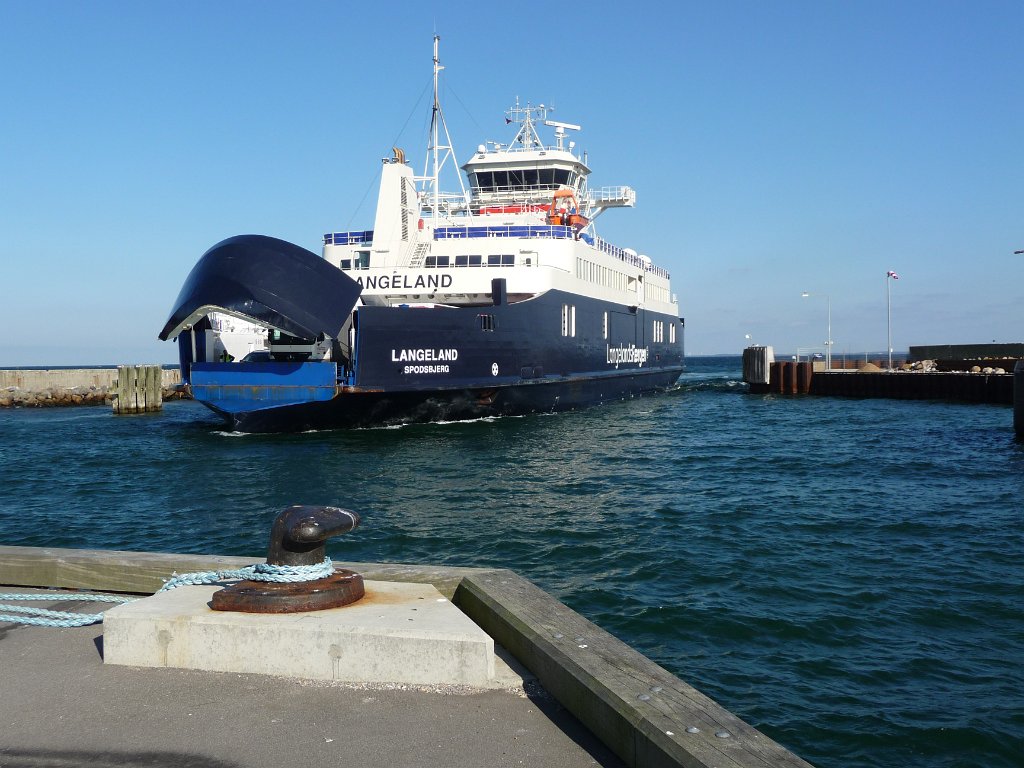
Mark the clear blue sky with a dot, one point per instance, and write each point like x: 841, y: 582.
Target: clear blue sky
x: 775, y: 148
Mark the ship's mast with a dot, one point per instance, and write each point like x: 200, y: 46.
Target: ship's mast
x: 527, y: 136
x: 440, y: 153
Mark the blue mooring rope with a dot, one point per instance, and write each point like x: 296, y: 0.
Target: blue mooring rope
x: 259, y: 572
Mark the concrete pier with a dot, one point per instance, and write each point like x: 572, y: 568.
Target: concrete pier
x: 641, y: 713
x: 62, y: 707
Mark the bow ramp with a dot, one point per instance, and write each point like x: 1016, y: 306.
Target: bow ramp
x: 269, y: 281
x: 285, y: 294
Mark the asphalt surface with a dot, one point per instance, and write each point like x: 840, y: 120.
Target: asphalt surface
x: 61, y: 706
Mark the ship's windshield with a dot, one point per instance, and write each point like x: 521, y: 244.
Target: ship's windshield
x: 521, y: 179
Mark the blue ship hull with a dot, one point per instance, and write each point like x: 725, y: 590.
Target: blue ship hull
x: 354, y: 408
x: 440, y: 364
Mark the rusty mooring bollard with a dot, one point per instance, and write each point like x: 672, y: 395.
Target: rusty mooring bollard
x: 297, y: 539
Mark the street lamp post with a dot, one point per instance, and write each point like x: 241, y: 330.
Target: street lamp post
x: 889, y: 277
x: 828, y: 342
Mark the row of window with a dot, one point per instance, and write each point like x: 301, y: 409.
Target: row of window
x: 361, y: 261
x: 658, y: 332
x: 530, y: 178
x: 569, y: 320
x: 595, y: 273
x: 487, y: 322
x: 472, y: 260
x: 657, y: 292
x: 469, y: 260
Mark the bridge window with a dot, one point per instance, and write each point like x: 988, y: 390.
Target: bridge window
x: 520, y: 178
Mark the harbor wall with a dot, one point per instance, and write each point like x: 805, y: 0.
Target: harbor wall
x: 993, y: 388
x: 70, y: 386
x: 1018, y: 399
x: 971, y: 353
x: 640, y: 710
x: 804, y: 378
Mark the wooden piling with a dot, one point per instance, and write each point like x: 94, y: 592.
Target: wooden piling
x: 789, y: 376
x: 1018, y: 398
x: 138, y: 389
x: 757, y: 365
x: 804, y: 373
x: 778, y: 375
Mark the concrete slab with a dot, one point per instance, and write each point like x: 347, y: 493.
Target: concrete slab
x: 61, y: 707
x: 398, y: 633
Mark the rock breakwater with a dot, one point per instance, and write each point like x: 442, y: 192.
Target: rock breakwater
x: 47, y: 388
x: 13, y: 397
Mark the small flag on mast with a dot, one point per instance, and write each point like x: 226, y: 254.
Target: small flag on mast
x: 892, y: 274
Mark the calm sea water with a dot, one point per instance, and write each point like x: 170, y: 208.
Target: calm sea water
x: 846, y: 575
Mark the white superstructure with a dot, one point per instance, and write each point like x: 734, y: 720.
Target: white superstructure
x: 527, y: 216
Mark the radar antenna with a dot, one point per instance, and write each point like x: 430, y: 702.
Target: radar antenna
x: 560, y: 129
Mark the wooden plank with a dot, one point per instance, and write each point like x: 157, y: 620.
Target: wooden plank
x: 638, y: 708
x: 145, y: 389
x: 145, y: 572
x: 156, y: 394
x: 150, y: 388
x: 115, y: 402
x: 133, y: 395
x: 129, y: 390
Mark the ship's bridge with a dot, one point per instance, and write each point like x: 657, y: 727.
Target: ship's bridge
x: 504, y: 178
x: 524, y: 175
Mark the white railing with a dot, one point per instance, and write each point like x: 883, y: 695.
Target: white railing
x: 623, y: 255
x: 605, y: 195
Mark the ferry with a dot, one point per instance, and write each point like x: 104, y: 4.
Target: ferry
x: 499, y: 299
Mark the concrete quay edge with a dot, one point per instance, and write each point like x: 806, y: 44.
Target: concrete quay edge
x: 642, y: 712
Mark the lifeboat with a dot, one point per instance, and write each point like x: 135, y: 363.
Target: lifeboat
x: 565, y: 211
